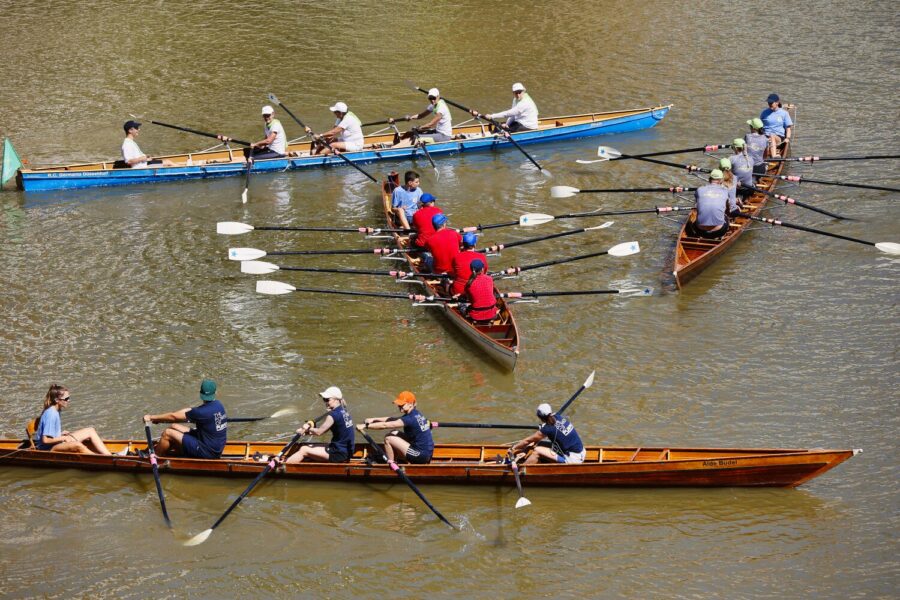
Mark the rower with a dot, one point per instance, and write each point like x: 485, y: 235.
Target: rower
x: 462, y: 263
x: 479, y: 291
x: 51, y: 436
x: 421, y: 221
x: 757, y: 142
x: 207, y: 440
x: 714, y: 204
x: 131, y: 152
x: 345, y: 136
x: 742, y: 167
x: 405, y: 199
x: 442, y: 246
x: 522, y: 116
x: 728, y: 180
x: 415, y: 444
x: 565, y: 444
x: 438, y: 129
x: 339, y: 422
x: 274, y: 145
x: 777, y: 123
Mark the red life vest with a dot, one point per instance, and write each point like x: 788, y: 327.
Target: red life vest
x: 421, y: 222
x: 444, y: 245
x: 481, y: 295
x: 462, y: 269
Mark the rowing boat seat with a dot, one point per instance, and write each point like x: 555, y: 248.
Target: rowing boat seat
x: 30, y: 429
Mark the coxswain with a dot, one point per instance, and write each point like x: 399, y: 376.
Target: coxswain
x: 439, y: 128
x: 757, y: 142
x: 339, y: 423
x: 50, y: 435
x: 522, y: 116
x: 714, y: 204
x: 421, y: 221
x: 565, y: 445
x: 777, y: 123
x: 742, y: 168
x: 415, y: 443
x: 479, y: 291
x: 442, y: 246
x: 345, y: 136
x: 207, y: 440
x: 462, y: 263
x: 274, y: 144
x: 131, y: 152
x: 405, y: 199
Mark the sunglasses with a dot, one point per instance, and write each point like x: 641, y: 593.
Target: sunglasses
x: 67, y: 398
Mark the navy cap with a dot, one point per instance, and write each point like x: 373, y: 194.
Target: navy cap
x: 477, y: 264
x: 772, y: 98
x: 131, y: 125
x: 426, y: 198
x: 438, y: 219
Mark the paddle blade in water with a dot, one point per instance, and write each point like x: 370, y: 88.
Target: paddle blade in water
x: 546, y: 173
x: 232, y: 228
x: 608, y: 153
x: 522, y: 502
x: 273, y: 288
x: 563, y: 191
x: 273, y: 98
x: 284, y: 412
x: 245, y: 253
x: 603, y: 226
x: 636, y: 292
x: 624, y: 249
x: 888, y: 247
x: 258, y: 267
x: 590, y: 380
x: 199, y: 538
x: 244, y: 196
x: 532, y: 219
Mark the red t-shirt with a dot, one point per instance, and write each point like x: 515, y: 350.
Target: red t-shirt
x: 462, y: 269
x: 444, y: 245
x: 481, y: 295
x: 421, y: 222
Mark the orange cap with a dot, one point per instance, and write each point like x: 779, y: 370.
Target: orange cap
x: 405, y: 397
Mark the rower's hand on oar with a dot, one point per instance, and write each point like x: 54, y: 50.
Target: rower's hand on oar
x: 223, y: 138
x: 475, y: 113
x: 147, y: 419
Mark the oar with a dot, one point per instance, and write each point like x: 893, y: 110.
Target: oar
x: 422, y: 145
x: 436, y: 424
x: 159, y: 490
x: 194, y: 131
x: 606, y: 153
x: 247, y: 179
x: 822, y: 158
x: 258, y: 267
x: 276, y: 288
x: 799, y: 180
x: 236, y: 228
x: 385, y: 122
x: 587, y: 383
x: 280, y: 413
x: 274, y: 99
x: 533, y: 219
x: 626, y: 292
x: 565, y: 191
x: 886, y: 247
x: 402, y: 475
x: 254, y: 253
x: 496, y: 124
x: 623, y: 249
x: 499, y: 247
x: 795, y: 202
x: 522, y: 501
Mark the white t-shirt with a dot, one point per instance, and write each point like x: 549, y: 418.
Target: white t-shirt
x: 130, y: 151
x: 280, y: 143
x: 525, y: 111
x: 352, y: 126
x: 445, y: 125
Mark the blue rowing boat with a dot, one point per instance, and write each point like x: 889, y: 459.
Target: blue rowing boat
x: 230, y: 162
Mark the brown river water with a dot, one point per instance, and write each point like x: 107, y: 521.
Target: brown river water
x: 125, y: 295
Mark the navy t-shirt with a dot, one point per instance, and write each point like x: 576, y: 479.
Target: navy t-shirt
x: 212, y: 425
x: 342, y: 432
x: 417, y: 431
x: 562, y: 436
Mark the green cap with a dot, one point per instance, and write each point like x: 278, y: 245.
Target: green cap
x: 208, y: 390
x: 755, y: 123
x: 724, y: 163
x: 716, y: 174
x: 738, y: 143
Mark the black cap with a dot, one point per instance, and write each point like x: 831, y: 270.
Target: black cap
x: 131, y: 124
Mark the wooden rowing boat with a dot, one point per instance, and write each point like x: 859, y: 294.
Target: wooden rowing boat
x: 222, y: 163
x: 500, y: 339
x: 693, y: 254
x: 611, y: 466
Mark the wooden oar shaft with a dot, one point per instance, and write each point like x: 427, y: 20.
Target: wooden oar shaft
x: 811, y: 230
x: 202, y: 133
x: 436, y: 424
x: 159, y: 490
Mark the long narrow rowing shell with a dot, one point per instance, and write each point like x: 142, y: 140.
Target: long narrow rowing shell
x: 201, y: 165
x: 693, y: 254
x: 476, y: 464
x: 500, y: 340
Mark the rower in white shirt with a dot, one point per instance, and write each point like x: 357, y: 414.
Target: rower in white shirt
x: 131, y: 152
x: 345, y: 136
x: 522, y: 116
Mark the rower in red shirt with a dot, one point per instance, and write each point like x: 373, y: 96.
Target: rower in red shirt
x: 421, y: 221
x: 462, y: 262
x: 442, y: 246
x: 479, y: 290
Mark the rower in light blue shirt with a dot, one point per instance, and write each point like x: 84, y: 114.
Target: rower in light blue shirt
x: 777, y: 124
x: 405, y: 199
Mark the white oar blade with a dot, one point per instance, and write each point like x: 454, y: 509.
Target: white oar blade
x: 258, y: 267
x: 590, y: 380
x: 563, y: 191
x: 608, y: 152
x: 532, y: 219
x: 273, y: 288
x: 245, y: 253
x: 546, y: 173
x: 523, y: 501
x: 604, y: 226
x: 284, y: 412
x: 199, y: 538
x: 636, y: 292
x: 232, y: 228
x: 581, y: 161
x: 244, y: 196
x: 623, y: 249
x: 888, y: 247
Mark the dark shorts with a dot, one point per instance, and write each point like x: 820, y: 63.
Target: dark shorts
x: 416, y: 457
x: 714, y: 234
x: 192, y: 448
x: 155, y: 161
x: 336, y: 456
x: 262, y: 153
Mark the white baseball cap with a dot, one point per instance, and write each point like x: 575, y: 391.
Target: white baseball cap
x: 518, y: 87
x: 434, y: 92
x: 338, y: 107
x: 332, y: 392
x: 544, y: 410
x: 268, y: 110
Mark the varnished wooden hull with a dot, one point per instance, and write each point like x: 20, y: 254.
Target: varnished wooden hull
x: 477, y: 464
x: 500, y: 342
x: 693, y: 254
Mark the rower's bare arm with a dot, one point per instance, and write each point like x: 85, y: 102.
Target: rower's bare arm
x: 531, y: 439
x: 178, y: 416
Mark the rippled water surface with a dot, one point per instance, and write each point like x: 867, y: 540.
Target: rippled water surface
x: 125, y: 295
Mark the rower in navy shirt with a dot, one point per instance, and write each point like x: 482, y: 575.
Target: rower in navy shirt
x: 415, y: 444
x: 565, y: 445
x: 339, y: 423
x: 207, y: 440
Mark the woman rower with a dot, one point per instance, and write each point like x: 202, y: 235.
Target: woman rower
x: 415, y: 443
x: 742, y: 168
x: 339, y: 423
x: 50, y: 434
x: 729, y: 181
x: 757, y: 142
